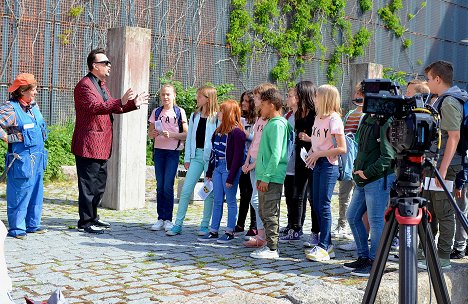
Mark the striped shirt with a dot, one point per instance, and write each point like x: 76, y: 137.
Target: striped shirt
x: 352, y: 122
x: 219, y: 145
x: 8, y: 124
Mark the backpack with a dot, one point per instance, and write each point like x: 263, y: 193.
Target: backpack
x: 158, y: 111
x: 346, y: 161
x: 462, y: 146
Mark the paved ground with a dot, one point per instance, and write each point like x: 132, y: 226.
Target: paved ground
x: 132, y: 264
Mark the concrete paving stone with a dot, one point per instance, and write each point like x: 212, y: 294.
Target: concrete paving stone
x: 239, y: 274
x: 165, y: 299
x: 224, y: 290
x: 295, y: 279
x: 247, y: 281
x: 314, y: 274
x: 98, y: 297
x: 215, y: 278
x: 182, y: 267
x: 224, y: 283
x: 141, y: 301
x: 192, y: 276
x: 169, y: 280
x: 139, y: 295
x: 106, y: 288
x: 336, y: 271
x: 194, y: 288
x: 274, y: 276
x: 135, y: 290
x: 189, y: 282
x: 201, y: 295
x: 113, y: 301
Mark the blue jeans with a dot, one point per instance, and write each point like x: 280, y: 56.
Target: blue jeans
x: 197, y: 166
x: 325, y: 176
x: 165, y: 166
x: 220, y: 175
x: 372, y: 198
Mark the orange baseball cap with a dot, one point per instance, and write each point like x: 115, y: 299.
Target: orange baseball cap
x: 22, y: 80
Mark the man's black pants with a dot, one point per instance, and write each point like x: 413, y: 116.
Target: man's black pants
x: 92, y: 176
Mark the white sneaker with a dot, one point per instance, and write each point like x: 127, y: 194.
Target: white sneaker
x: 348, y: 247
x: 264, y: 253
x: 168, y: 225
x: 318, y: 254
x: 158, y: 225
x: 312, y: 241
x: 330, y: 250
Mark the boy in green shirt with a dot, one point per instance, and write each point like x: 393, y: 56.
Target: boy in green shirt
x: 272, y: 161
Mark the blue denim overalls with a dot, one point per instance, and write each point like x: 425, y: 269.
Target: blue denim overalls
x: 25, y: 177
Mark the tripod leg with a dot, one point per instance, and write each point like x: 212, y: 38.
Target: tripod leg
x: 433, y: 265
x: 378, y: 265
x: 408, y: 273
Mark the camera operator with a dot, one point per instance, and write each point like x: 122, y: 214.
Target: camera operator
x: 374, y: 176
x: 440, y: 78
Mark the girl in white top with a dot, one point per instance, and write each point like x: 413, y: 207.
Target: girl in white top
x: 327, y: 143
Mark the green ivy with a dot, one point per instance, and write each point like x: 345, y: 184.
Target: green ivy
x: 293, y: 29
x: 365, y: 5
x: 397, y: 76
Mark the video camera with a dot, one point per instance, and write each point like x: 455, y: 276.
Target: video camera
x: 414, y: 125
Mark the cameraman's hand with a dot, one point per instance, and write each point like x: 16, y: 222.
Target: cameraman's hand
x: 360, y: 173
x: 443, y: 173
x: 458, y: 193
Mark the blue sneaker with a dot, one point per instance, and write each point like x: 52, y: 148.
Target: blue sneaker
x: 210, y: 236
x: 176, y: 229
x: 226, y: 238
x: 203, y: 231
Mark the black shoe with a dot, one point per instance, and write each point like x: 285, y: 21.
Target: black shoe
x: 102, y: 224
x: 360, y: 263
x: 94, y: 229
x: 21, y: 236
x: 363, y: 271
x: 238, y: 229
x: 457, y: 254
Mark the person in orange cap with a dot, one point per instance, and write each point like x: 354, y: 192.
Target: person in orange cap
x: 25, y: 131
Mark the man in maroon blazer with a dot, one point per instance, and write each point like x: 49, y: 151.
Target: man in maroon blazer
x: 92, y: 138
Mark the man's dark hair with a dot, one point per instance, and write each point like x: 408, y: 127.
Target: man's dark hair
x: 92, y: 57
x: 443, y: 69
x: 274, y: 97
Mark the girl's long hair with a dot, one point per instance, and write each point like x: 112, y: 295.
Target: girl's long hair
x: 306, y: 92
x: 250, y: 114
x: 211, y: 108
x: 231, y: 117
x: 328, y: 100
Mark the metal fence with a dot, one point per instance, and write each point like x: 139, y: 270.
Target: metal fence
x: 51, y: 39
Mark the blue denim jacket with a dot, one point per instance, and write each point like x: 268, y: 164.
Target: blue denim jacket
x: 191, y: 140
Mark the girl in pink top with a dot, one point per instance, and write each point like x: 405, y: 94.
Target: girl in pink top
x: 168, y: 127
x: 327, y: 143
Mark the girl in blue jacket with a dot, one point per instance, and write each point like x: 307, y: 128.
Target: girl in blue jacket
x: 202, y: 124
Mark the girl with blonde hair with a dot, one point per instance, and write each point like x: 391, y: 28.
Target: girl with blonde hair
x: 202, y: 124
x: 328, y: 142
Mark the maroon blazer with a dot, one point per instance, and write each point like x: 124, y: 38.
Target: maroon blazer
x: 92, y: 137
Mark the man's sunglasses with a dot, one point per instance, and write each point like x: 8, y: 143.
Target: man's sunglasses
x: 106, y: 62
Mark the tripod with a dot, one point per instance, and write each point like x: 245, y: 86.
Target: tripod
x: 409, y: 214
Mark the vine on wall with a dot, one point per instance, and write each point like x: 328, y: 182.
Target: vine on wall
x: 294, y: 30
x: 392, y: 21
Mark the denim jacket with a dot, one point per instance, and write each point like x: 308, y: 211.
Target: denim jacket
x: 191, y: 140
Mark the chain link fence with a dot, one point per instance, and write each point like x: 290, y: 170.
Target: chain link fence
x: 51, y: 39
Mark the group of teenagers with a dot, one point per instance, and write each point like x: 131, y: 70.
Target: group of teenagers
x: 253, y: 146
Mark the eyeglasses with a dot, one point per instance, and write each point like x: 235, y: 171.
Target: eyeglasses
x: 106, y: 62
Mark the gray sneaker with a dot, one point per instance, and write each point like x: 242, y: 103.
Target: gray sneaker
x: 312, y: 241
